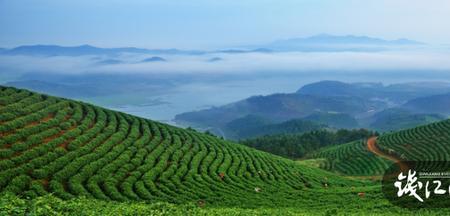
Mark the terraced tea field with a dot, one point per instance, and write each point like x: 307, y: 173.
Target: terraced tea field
x: 424, y: 143
x: 352, y: 159
x: 71, y: 149
x: 69, y: 157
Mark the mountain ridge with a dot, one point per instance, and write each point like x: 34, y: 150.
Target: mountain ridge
x: 321, y: 42
x: 358, y: 101
x: 55, y: 50
x: 349, y: 39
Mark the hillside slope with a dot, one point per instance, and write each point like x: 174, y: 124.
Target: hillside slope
x: 352, y: 159
x: 396, y: 119
x: 252, y: 126
x: 102, y: 162
x: 429, y: 142
x: 432, y: 104
x: 71, y: 149
x: 424, y: 143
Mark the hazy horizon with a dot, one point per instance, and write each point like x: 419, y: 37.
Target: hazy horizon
x: 241, y: 46
x: 201, y: 24
x: 183, y: 82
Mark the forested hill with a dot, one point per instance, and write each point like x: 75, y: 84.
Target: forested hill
x: 336, y: 104
x: 296, y: 146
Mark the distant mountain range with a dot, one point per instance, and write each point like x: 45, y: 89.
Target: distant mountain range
x: 154, y: 59
x: 326, y: 42
x: 317, y: 43
x: 439, y: 104
x: 337, y: 104
x: 399, y: 118
x: 94, y: 85
x: 55, y: 50
x: 348, y: 39
x: 109, y: 62
x: 215, y: 59
x: 66, y: 90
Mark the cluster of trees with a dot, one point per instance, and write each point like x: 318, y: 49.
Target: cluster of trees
x: 253, y: 126
x: 296, y: 146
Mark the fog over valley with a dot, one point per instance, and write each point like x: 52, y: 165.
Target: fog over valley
x: 159, y: 84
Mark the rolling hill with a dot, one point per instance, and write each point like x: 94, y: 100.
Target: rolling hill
x: 297, y: 145
x: 333, y: 103
x: 334, y: 120
x: 423, y: 143
x: 278, y: 108
x: 393, y: 94
x: 251, y: 126
x: 72, y: 149
x: 438, y: 104
x: 60, y: 156
x: 352, y: 159
x: 398, y: 118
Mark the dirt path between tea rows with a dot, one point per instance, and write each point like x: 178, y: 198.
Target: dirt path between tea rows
x: 372, y: 146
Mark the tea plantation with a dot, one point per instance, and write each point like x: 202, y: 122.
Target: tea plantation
x: 424, y: 143
x: 70, y: 149
x: 352, y: 159
x: 60, y: 156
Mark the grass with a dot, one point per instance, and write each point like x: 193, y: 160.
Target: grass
x: 51, y: 205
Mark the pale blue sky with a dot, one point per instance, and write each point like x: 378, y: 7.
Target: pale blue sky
x: 203, y: 24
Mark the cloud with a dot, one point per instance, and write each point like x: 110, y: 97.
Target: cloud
x: 237, y: 64
x: 57, y: 64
